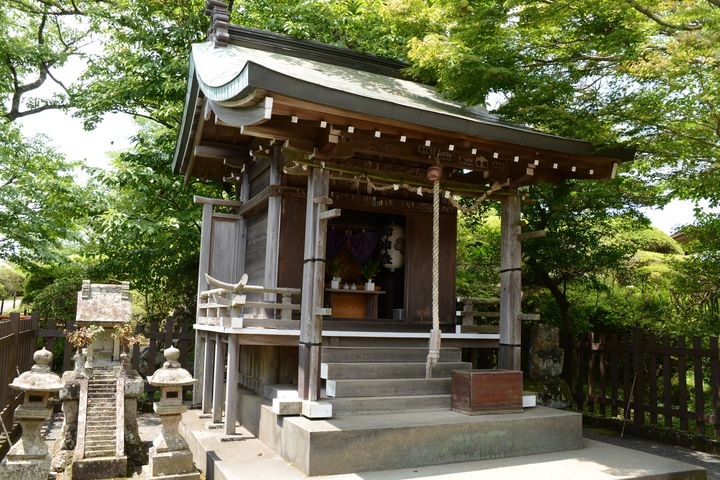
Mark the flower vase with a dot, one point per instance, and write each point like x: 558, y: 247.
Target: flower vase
x: 335, y: 283
x: 79, y: 361
x: 125, y: 363
x: 370, y: 286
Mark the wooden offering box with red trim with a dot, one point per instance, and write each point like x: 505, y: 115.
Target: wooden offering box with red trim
x: 479, y: 392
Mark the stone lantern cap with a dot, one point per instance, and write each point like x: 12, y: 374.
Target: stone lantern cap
x: 171, y: 374
x: 40, y: 378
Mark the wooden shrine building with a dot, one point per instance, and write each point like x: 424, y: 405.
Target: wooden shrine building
x: 338, y: 162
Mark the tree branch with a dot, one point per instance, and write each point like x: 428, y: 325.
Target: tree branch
x: 655, y: 18
x: 15, y: 114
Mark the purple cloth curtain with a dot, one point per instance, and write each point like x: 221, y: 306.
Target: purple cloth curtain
x: 362, y: 245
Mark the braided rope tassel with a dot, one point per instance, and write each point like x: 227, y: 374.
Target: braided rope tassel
x: 434, y: 348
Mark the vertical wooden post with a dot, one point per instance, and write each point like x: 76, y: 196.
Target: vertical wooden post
x: 207, y: 384
x: 218, y: 380
x: 231, y: 387
x: 510, y: 284
x: 203, y: 268
x: 313, y: 290
x: 272, y: 248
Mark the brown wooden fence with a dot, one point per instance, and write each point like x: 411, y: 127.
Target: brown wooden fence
x: 662, y: 381
x: 17, y: 345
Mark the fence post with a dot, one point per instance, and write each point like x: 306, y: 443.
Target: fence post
x: 638, y: 367
x: 682, y: 382
x: 169, y: 324
x: 68, y: 350
x: 699, y: 394
x: 714, y: 381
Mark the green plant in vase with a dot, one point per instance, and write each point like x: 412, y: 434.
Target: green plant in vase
x: 333, y: 269
x: 369, y: 271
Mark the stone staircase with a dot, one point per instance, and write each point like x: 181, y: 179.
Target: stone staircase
x: 387, y: 379
x: 100, y: 426
x: 100, y: 452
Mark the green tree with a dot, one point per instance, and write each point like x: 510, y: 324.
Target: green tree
x: 149, y: 230
x: 41, y: 205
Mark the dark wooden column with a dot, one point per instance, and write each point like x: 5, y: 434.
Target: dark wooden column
x: 510, y: 284
x: 313, y: 286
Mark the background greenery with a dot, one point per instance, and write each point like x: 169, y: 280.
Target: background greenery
x: 638, y: 72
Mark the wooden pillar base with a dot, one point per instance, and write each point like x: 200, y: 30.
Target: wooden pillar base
x: 509, y: 357
x: 308, y: 377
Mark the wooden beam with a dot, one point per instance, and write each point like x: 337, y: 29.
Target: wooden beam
x: 530, y: 235
x: 221, y: 151
x: 510, y: 285
x: 286, y: 106
x: 216, y: 201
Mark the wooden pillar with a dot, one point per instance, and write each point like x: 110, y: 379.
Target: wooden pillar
x: 218, y: 380
x: 313, y: 286
x: 273, y: 227
x: 510, y: 284
x: 203, y: 268
x: 207, y: 385
x: 231, y: 387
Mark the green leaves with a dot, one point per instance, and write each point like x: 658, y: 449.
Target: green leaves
x: 41, y: 206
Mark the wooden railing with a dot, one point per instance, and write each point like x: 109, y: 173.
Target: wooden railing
x: 661, y: 381
x: 231, y: 307
x: 17, y: 345
x: 489, y: 315
x: 469, y: 315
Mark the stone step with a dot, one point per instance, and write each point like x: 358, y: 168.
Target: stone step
x: 385, y: 354
x: 387, y: 387
x: 101, y: 421
x: 101, y: 410
x: 337, y: 371
x: 97, y: 435
x: 382, y: 441
x: 95, y: 445
x: 400, y: 403
x: 108, y: 452
x: 94, y: 430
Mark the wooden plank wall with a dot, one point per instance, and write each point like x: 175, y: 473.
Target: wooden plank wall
x: 226, y: 259
x: 259, y: 175
x: 292, y: 239
x: 418, y: 267
x: 255, y: 247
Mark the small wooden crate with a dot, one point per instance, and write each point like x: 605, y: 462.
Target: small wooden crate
x: 479, y: 392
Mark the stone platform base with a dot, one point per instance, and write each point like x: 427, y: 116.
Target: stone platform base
x: 25, y: 470
x: 171, y: 464
x: 594, y: 461
x: 100, y: 467
x: 381, y: 441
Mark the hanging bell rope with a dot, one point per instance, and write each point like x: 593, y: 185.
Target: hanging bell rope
x: 433, y: 174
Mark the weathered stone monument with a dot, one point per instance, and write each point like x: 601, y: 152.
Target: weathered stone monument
x: 170, y: 457
x: 29, y: 457
x: 100, y: 433
x: 545, y: 365
x: 108, y: 306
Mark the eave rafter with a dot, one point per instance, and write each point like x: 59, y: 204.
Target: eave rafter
x: 324, y: 134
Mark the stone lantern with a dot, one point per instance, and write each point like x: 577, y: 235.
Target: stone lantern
x: 29, y: 457
x: 170, y: 457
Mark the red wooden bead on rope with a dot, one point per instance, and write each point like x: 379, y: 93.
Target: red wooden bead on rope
x: 434, y: 172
